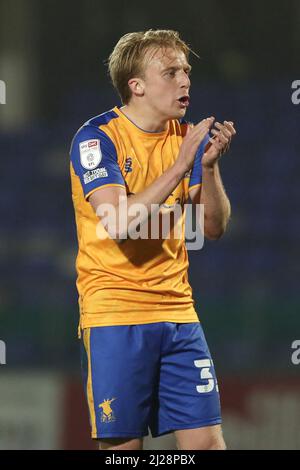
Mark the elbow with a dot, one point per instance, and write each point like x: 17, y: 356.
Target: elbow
x: 214, y: 235
x: 120, y: 240
x: 117, y: 236
x: 215, y: 232
x: 214, y: 228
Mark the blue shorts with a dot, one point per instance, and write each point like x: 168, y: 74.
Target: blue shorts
x: 158, y: 376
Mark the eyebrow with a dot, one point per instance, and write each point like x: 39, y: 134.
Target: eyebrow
x: 188, y: 67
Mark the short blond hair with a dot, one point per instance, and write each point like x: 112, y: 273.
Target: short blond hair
x: 128, y: 57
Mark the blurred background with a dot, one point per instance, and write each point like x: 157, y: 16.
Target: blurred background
x: 246, y: 285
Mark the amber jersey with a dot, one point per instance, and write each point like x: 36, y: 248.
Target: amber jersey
x: 139, y: 281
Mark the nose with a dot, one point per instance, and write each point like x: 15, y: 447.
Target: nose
x: 185, y: 80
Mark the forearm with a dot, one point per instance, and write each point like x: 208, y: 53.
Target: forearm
x: 146, y: 202
x: 159, y: 190
x: 216, y: 204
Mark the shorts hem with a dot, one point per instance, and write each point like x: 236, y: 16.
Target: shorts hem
x: 178, y: 427
x: 120, y: 434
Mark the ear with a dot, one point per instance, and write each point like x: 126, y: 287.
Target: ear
x: 136, y: 86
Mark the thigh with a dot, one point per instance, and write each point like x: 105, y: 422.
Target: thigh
x: 188, y: 388
x: 119, y: 366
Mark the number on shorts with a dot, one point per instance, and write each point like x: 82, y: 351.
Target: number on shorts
x: 205, y: 374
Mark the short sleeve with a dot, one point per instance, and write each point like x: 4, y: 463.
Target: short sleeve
x: 94, y: 159
x: 196, y: 173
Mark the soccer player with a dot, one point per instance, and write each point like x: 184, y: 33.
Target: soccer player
x: 145, y: 360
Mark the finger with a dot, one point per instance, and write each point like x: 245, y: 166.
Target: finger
x: 192, y: 131
x: 220, y: 146
x: 207, y: 121
x: 225, y: 148
x: 203, y: 126
x: 216, y: 143
x: 198, y: 133
x: 201, y: 135
x: 223, y: 129
x: 196, y: 141
x: 229, y: 125
x: 223, y: 138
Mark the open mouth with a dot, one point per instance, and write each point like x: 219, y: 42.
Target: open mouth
x: 184, y: 101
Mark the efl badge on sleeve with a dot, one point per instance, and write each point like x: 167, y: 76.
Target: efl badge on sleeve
x: 90, y: 154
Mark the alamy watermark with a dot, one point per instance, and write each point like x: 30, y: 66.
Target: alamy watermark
x: 178, y: 222
x: 295, y: 358
x: 296, y: 94
x: 2, y: 92
x: 2, y: 352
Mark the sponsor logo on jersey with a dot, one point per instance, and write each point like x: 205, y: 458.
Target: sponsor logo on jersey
x: 95, y: 174
x: 107, y: 413
x: 92, y: 143
x: 128, y: 165
x: 90, y: 154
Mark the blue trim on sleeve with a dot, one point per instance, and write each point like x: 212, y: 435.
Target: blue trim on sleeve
x: 196, y: 174
x: 108, y: 170
x: 103, y: 118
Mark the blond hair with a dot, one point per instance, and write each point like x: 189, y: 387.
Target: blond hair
x: 127, y: 60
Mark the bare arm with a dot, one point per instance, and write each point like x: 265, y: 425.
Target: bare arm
x: 216, y: 204
x: 211, y: 193
x: 154, y: 194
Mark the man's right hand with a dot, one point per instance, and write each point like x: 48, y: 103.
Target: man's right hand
x: 191, y: 142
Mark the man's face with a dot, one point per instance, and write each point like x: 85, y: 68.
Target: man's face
x: 166, y: 83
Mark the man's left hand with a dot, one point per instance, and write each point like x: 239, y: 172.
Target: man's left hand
x: 219, y: 143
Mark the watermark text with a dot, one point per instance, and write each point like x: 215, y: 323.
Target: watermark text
x: 2, y: 92
x: 2, y: 352
x: 158, y: 222
x: 296, y: 93
x: 296, y: 354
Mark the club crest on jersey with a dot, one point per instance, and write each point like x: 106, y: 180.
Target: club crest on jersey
x: 90, y: 154
x: 107, y: 413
